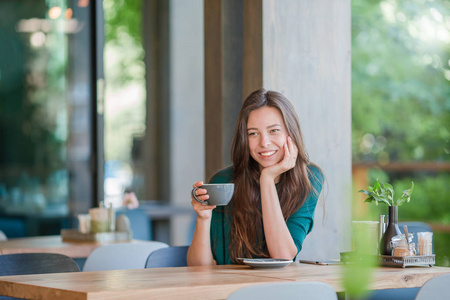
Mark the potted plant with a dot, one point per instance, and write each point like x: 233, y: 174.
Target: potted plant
x: 384, y: 193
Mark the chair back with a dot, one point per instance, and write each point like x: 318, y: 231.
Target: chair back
x: 436, y: 288
x: 36, y: 263
x: 2, y: 236
x: 12, y: 227
x: 121, y: 256
x: 286, y: 291
x: 168, y: 257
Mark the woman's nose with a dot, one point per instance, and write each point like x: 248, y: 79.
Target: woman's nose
x: 265, y: 140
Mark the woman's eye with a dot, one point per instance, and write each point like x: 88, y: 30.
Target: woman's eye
x: 252, y: 133
x: 274, y: 130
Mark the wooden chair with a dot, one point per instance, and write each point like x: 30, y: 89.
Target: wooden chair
x: 36, y: 263
x: 168, y: 257
x: 286, y: 291
x: 436, y: 288
x: 121, y: 256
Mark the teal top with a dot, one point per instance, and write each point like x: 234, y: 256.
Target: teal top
x: 299, y: 224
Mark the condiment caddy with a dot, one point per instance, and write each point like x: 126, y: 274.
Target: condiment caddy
x: 404, y: 252
x: 100, y: 225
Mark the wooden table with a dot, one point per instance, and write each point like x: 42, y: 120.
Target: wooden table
x: 213, y: 282
x: 50, y: 244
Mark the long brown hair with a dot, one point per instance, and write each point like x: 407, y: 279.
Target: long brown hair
x: 247, y: 237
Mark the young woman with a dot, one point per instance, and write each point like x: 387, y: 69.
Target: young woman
x: 276, y: 189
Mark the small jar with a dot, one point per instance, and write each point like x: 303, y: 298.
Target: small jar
x: 402, y: 249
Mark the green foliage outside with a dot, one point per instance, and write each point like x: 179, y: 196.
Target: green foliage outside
x: 125, y: 94
x: 400, y: 80
x: 123, y: 33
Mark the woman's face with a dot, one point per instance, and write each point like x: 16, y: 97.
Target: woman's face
x: 267, y: 134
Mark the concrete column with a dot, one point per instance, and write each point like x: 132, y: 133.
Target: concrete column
x: 187, y: 131
x: 307, y: 57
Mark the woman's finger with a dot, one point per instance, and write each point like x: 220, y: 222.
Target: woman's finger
x: 202, y: 197
x: 292, y: 148
x: 288, y: 157
x: 197, y: 184
x: 200, y: 192
x: 290, y: 154
x: 287, y: 153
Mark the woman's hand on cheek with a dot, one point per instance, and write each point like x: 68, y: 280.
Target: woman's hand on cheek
x: 288, y: 162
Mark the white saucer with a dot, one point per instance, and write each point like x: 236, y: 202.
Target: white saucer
x: 267, y: 262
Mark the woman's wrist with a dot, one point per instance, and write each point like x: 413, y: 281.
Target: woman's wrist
x: 266, y: 178
x: 201, y: 220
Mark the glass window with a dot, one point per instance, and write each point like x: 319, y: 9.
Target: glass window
x: 400, y: 107
x: 45, y: 115
x: 125, y: 100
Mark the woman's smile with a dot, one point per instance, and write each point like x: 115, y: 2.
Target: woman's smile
x: 266, y: 136
x: 268, y: 153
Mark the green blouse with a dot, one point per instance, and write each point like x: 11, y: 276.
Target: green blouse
x: 299, y: 224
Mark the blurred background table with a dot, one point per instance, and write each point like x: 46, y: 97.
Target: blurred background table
x: 51, y: 244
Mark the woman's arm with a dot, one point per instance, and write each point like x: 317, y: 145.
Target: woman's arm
x: 278, y: 238
x: 199, y: 253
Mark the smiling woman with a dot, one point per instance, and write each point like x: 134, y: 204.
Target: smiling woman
x: 267, y: 136
x: 276, y: 189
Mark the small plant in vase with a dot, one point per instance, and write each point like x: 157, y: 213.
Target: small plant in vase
x: 384, y: 193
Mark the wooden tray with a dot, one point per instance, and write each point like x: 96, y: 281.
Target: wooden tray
x: 73, y: 235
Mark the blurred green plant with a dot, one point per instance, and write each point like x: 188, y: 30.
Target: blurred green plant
x: 357, y: 275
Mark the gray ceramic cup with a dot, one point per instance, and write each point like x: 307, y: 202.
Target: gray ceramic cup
x: 219, y: 194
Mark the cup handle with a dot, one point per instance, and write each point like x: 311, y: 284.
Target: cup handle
x: 195, y: 197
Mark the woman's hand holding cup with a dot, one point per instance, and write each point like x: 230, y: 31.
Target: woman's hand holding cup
x: 203, y: 211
